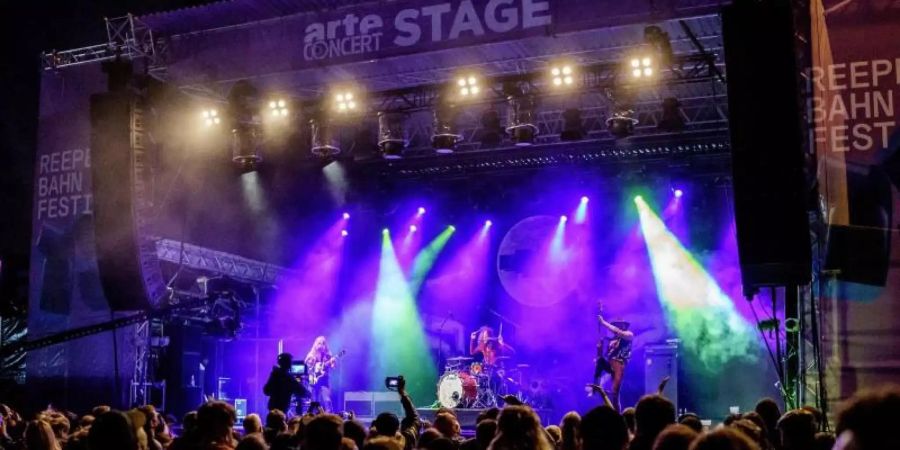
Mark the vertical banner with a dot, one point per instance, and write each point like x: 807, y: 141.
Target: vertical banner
x: 855, y: 85
x: 65, y: 290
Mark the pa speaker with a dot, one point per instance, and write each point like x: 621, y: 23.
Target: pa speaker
x: 127, y: 262
x: 767, y: 144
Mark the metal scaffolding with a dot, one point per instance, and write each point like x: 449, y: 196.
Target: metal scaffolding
x: 127, y: 37
x: 219, y: 262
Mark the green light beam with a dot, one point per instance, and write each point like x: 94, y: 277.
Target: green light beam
x: 426, y: 258
x: 398, y: 345
x: 704, y: 317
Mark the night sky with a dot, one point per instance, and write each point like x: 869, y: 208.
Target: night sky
x: 28, y: 28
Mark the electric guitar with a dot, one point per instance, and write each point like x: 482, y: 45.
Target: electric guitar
x: 321, y: 368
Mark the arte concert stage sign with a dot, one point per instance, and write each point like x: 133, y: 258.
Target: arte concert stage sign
x: 379, y: 30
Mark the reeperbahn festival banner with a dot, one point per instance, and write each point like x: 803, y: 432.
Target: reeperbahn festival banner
x: 65, y: 289
x: 855, y: 86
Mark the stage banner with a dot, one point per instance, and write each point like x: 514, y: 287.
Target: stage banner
x: 379, y: 30
x: 855, y: 86
x: 65, y: 290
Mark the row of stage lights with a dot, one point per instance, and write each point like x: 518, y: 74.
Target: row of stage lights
x: 344, y: 102
x: 677, y: 192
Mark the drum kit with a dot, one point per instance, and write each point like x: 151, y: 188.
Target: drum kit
x: 466, y: 383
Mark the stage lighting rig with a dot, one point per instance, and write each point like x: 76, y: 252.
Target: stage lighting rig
x: 641, y: 66
x: 278, y: 109
x: 246, y: 130
x: 211, y: 117
x: 562, y: 76
x: 325, y: 140
x: 444, y: 137
x: 337, y: 105
x: 468, y: 86
x: 520, y: 115
x: 621, y: 124
x: 345, y: 102
x: 392, y: 139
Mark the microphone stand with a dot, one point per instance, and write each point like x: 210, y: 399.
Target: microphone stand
x: 441, y: 338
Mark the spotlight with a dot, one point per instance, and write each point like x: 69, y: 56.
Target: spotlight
x: 520, y: 115
x: 211, y: 117
x: 468, y: 86
x: 572, y: 129
x: 562, y: 76
x: 421, y: 210
x: 385, y: 231
x: 246, y: 130
x: 451, y: 228
x: 413, y: 228
x: 344, y: 233
x: 325, y: 140
x: 346, y: 216
x: 488, y: 223
x: 642, y: 67
x: 345, y: 101
x: 678, y: 193
x: 445, y: 137
x: 392, y: 134
x: 278, y: 108
x: 563, y: 219
x: 638, y: 198
x: 584, y: 199
x: 621, y: 124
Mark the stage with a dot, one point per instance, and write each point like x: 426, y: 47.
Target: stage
x: 424, y: 198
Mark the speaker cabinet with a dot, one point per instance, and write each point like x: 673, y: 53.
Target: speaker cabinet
x: 661, y: 361
x: 767, y: 144
x: 121, y: 185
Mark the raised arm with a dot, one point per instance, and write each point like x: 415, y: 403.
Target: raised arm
x: 411, y: 422
x: 624, y: 334
x: 473, y: 344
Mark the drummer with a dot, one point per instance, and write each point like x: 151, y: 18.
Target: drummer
x: 491, y: 347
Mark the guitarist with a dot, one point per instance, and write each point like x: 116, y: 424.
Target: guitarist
x: 320, y: 361
x: 617, y: 354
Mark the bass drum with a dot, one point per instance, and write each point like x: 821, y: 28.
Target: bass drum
x: 457, y: 389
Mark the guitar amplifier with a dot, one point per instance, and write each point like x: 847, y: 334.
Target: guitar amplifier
x: 387, y: 402
x: 368, y: 404
x: 360, y: 402
x: 660, y: 361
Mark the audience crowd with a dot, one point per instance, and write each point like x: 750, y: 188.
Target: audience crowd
x: 862, y: 423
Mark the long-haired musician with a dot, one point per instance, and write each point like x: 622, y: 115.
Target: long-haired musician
x: 490, y: 346
x: 618, y: 352
x: 319, y: 362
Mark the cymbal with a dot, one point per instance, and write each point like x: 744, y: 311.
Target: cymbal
x: 459, y: 359
x: 503, y: 358
x: 523, y: 366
